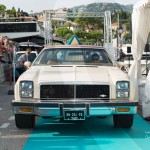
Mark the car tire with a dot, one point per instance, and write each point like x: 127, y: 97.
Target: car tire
x: 24, y: 121
x: 123, y: 121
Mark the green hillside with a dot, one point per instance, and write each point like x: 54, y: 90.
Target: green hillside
x: 101, y: 7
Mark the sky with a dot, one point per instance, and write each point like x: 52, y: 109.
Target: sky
x: 40, y: 5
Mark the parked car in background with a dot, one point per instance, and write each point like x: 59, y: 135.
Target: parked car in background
x: 32, y: 55
x: 74, y: 83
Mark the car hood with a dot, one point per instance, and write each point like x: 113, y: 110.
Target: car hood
x: 74, y: 74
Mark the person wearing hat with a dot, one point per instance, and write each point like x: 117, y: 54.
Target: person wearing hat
x: 21, y: 60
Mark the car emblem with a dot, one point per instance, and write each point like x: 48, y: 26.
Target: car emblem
x: 102, y: 95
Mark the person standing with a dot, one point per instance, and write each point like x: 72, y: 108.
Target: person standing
x: 122, y: 56
x: 21, y: 60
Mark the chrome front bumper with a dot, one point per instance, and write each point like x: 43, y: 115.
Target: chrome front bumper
x: 57, y: 108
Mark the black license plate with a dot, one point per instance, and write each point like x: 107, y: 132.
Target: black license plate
x: 74, y: 115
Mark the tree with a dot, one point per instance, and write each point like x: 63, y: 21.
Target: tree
x: 81, y: 34
x: 98, y: 24
x: 18, y: 13
x: 12, y: 12
x: 63, y: 31
x: 96, y: 35
x: 127, y: 38
x: 68, y: 24
x: 2, y: 9
x: 90, y: 23
x: 92, y: 36
x: 127, y: 26
x: 85, y: 22
x: 80, y: 22
x: 68, y: 36
x: 54, y: 25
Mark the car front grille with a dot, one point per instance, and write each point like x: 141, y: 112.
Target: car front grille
x: 55, y: 92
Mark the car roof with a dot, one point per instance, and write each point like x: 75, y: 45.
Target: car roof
x: 74, y: 46
x: 25, y: 52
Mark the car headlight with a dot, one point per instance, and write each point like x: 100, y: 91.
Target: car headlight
x: 122, y: 89
x: 26, y: 89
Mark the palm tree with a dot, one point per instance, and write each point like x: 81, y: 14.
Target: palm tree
x: 69, y: 24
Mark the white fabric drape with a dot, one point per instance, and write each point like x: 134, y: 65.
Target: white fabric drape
x: 146, y: 98
x: 140, y: 31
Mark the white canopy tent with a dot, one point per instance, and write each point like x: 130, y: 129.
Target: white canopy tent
x: 140, y: 32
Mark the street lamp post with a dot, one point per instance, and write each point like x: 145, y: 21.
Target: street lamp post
x: 120, y: 31
x: 119, y: 40
x: 85, y: 40
x: 102, y: 41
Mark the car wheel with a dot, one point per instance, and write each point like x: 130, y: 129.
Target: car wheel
x: 123, y: 121
x: 24, y: 121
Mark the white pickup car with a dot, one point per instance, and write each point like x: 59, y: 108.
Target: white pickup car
x: 73, y: 83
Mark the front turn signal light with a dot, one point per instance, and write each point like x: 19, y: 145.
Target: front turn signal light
x: 26, y: 109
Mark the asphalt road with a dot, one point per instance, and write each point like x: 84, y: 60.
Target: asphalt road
x: 93, y: 133
x: 11, y: 138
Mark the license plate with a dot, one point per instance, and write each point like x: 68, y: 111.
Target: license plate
x: 74, y: 115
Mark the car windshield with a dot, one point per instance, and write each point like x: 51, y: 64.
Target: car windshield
x: 73, y: 56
